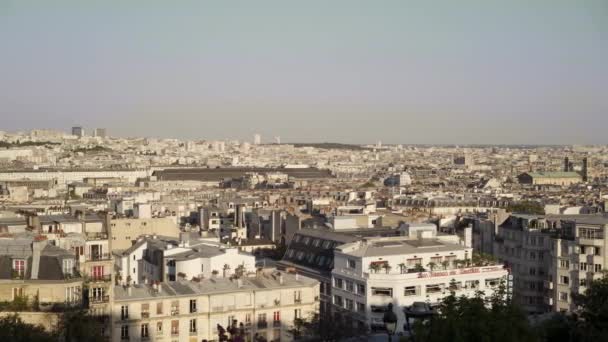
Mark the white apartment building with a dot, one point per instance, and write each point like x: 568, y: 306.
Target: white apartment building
x: 266, y: 303
x: 156, y: 259
x: 371, y: 273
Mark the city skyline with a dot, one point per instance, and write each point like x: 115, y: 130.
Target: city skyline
x: 402, y: 73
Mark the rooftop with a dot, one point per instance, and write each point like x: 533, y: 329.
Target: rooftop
x: 269, y: 281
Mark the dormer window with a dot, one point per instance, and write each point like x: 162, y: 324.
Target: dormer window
x: 19, y: 267
x: 68, y: 266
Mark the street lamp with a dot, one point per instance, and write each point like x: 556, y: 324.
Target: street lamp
x: 390, y: 321
x: 418, y: 310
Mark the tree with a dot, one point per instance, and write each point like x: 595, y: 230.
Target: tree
x: 432, y: 266
x: 445, y: 264
x: 526, y: 207
x: 402, y: 267
x: 317, y: 328
x: 13, y: 329
x: 79, y: 325
x: 593, y: 323
x: 464, y: 319
x: 374, y: 267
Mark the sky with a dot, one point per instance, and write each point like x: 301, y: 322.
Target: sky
x: 403, y: 72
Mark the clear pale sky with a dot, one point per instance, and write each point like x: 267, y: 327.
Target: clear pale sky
x: 351, y: 71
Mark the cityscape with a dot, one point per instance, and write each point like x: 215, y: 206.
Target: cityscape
x: 268, y: 172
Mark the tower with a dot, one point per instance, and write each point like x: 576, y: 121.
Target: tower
x: 584, y: 170
x: 566, y: 164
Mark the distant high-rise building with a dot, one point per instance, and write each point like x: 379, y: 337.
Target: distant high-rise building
x: 99, y: 132
x: 257, y: 139
x: 78, y: 131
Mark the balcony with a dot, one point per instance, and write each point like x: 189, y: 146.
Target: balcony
x: 100, y: 278
x: 145, y: 315
x: 99, y: 299
x: 548, y: 284
x: 98, y: 256
x: 262, y: 325
x: 276, y: 324
x: 497, y: 270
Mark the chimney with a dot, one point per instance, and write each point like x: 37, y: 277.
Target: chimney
x: 37, y: 247
x: 468, y: 236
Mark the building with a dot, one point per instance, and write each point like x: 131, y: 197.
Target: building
x: 124, y: 232
x: 99, y: 132
x: 78, y: 131
x: 265, y: 303
x: 159, y: 259
x: 44, y: 275
x: 578, y: 256
x: 524, y: 247
x: 421, y: 266
x: 257, y: 139
x: 550, y: 178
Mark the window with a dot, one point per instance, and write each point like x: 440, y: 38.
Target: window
x: 564, y: 264
x: 297, y: 313
x: 583, y: 282
x: 563, y: 296
x: 360, y: 307
x: 350, y: 304
x: 532, y: 271
x: 17, y: 292
x: 262, y: 324
x: 19, y: 267
x: 338, y: 283
x: 97, y: 272
x: 434, y: 288
x: 193, y: 325
x: 159, y: 327
x: 68, y: 266
x: 159, y: 308
x: 564, y: 280
x: 145, y: 310
x: 382, y: 291
x: 410, y: 291
x: 350, y: 287
x: 192, y: 305
x: 492, y: 282
x: 338, y: 301
x: 598, y: 267
x: 297, y: 296
x: 124, y: 332
x: 361, y: 289
x: 124, y: 312
x: 144, y: 330
x: 276, y: 316
x: 175, y: 327
x: 583, y: 266
x: 350, y: 263
x: 174, y: 308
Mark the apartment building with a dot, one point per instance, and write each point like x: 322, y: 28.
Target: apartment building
x: 522, y: 244
x: 156, y: 258
x: 578, y: 256
x: 420, y: 266
x: 123, y: 232
x: 45, y: 276
x: 265, y: 303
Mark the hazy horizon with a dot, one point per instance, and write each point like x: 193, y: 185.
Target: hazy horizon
x: 403, y: 72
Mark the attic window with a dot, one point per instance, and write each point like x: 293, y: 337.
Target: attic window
x: 68, y: 265
x: 19, y: 267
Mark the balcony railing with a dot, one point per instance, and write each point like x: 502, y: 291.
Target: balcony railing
x: 98, y: 256
x: 262, y: 325
x: 99, y: 299
x: 100, y: 278
x: 276, y: 324
x: 145, y: 315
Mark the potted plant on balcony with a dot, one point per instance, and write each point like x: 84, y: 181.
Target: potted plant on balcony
x: 418, y: 268
x: 386, y: 267
x: 402, y: 268
x: 445, y: 264
x: 432, y: 266
x: 214, y: 273
x: 374, y: 267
